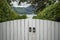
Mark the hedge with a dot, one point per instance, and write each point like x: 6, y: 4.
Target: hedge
x: 51, y: 12
x: 7, y: 13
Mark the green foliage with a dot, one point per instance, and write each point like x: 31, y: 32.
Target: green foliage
x: 51, y: 1
x: 40, y: 4
x: 34, y: 17
x: 51, y: 12
x: 6, y: 13
x: 22, y: 1
x: 24, y: 16
x: 9, y: 1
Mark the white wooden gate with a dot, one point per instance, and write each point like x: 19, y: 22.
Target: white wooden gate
x: 33, y: 29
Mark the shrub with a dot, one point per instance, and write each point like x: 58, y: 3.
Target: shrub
x: 7, y: 13
x: 24, y: 16
x: 51, y: 12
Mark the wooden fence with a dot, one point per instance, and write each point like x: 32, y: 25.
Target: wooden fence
x: 33, y: 29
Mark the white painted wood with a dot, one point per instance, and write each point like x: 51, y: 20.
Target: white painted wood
x: 37, y: 23
x: 12, y: 27
x: 33, y: 36
x: 15, y: 30
x: 30, y: 22
x: 52, y: 30
x: 33, y: 26
x: 30, y: 35
x: 41, y: 30
x: 59, y: 31
x: 56, y: 31
x: 8, y: 30
x: 26, y: 29
x: 4, y: 31
x: 23, y: 29
x: 45, y: 30
x: 49, y: 30
x: 33, y: 23
x: 0, y: 31
x: 30, y: 25
x: 19, y: 30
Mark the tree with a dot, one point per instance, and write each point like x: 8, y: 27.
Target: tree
x: 51, y: 12
x: 7, y: 13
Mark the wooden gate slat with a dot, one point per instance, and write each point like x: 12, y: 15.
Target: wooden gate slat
x: 41, y: 30
x: 49, y: 30
x: 59, y: 31
x: 19, y: 29
x: 45, y: 30
x: 15, y: 30
x: 26, y: 29
x: 12, y: 27
x: 30, y: 25
x: 23, y: 28
x: 33, y: 29
x: 37, y: 30
x: 1, y: 31
x: 8, y: 31
x: 56, y: 31
x: 52, y: 28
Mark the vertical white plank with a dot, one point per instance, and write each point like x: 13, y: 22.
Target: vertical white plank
x: 26, y: 29
x: 52, y: 30
x: 8, y: 30
x: 41, y: 30
x: 45, y: 30
x: 19, y: 29
x: 11, y: 26
x: 33, y: 26
x: 37, y: 30
x: 30, y: 35
x: 15, y: 30
x: 30, y: 25
x: 1, y: 31
x: 59, y: 30
x: 23, y: 28
x: 33, y: 22
x: 4, y: 31
x: 56, y: 31
x: 49, y: 30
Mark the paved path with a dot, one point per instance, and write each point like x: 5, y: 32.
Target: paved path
x: 30, y: 16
